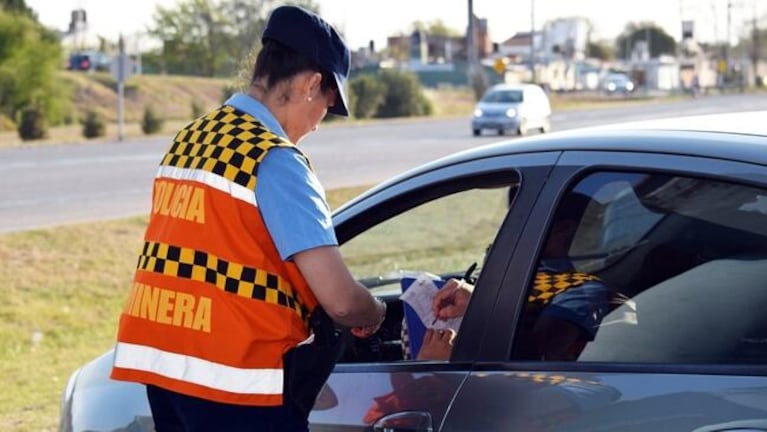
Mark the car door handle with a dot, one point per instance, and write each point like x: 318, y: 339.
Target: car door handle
x: 404, y: 421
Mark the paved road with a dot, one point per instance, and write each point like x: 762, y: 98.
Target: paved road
x: 55, y: 185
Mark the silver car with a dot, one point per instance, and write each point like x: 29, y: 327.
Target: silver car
x: 518, y: 108
x: 675, y: 229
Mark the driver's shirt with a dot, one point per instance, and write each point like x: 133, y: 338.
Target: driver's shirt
x: 289, y: 195
x: 583, y: 304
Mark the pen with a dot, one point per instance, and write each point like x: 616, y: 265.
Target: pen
x: 467, y: 278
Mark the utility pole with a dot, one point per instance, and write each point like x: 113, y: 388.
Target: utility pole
x: 120, y: 88
x: 476, y: 75
x: 755, y: 45
x: 532, y: 40
x: 727, y: 43
x: 470, y: 48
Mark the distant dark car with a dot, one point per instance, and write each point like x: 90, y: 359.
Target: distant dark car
x: 617, y: 83
x: 676, y: 228
x: 90, y: 60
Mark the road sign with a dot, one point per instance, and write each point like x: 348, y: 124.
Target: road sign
x: 122, y: 67
x: 722, y: 66
x: 500, y: 65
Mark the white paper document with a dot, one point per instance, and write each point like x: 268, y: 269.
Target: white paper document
x: 420, y: 296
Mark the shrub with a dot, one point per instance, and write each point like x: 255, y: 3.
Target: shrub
x: 6, y: 123
x: 368, y: 95
x: 228, y: 90
x: 32, y: 125
x: 404, y: 96
x: 197, y: 110
x: 151, y: 122
x: 94, y: 125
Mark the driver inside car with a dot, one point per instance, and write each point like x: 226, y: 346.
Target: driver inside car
x: 564, y: 307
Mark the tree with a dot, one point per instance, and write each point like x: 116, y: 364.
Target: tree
x: 436, y: 28
x: 660, y: 41
x: 600, y: 50
x: 29, y: 60
x: 212, y: 37
x: 18, y: 7
x: 192, y: 35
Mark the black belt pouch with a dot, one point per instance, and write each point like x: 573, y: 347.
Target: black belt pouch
x: 308, y: 366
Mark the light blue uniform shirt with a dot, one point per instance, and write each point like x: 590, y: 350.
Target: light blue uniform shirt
x: 289, y: 196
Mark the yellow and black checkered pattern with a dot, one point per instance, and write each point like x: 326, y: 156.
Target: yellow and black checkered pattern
x: 228, y: 276
x: 547, y: 284
x: 227, y: 142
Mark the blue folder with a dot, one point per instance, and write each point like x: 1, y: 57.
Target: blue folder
x: 415, y: 327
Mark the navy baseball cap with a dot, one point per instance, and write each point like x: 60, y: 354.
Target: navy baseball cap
x: 310, y: 35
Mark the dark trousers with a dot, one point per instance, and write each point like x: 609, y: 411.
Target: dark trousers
x: 174, y: 412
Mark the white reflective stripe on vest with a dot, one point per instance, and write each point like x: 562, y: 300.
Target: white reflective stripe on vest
x: 213, y: 180
x: 198, y: 371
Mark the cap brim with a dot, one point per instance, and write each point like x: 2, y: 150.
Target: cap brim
x: 341, y: 106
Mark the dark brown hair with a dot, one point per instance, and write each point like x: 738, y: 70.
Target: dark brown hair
x: 277, y: 62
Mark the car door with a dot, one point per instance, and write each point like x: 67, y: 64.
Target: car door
x: 665, y: 287
x: 440, y: 221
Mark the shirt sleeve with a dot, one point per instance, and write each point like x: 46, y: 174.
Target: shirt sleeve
x: 292, y: 203
x: 584, y: 306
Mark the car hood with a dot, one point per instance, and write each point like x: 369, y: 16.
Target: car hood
x: 494, y: 106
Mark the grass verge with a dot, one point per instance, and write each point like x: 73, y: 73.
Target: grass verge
x: 64, y: 289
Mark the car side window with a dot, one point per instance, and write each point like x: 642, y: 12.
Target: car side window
x: 642, y: 267
x: 443, y: 237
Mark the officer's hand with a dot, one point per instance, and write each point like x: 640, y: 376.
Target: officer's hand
x: 365, y: 332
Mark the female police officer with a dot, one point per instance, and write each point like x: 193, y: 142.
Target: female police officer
x: 240, y: 248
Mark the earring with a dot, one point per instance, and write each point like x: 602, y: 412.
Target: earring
x: 309, y: 98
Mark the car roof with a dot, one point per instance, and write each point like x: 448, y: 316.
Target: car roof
x: 738, y: 136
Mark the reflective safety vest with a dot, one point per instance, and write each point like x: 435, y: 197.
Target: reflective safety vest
x: 548, y: 284
x: 212, y: 308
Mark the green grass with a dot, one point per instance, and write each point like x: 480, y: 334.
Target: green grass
x: 64, y: 290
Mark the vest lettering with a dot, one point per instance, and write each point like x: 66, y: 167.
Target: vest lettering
x: 202, y: 315
x: 180, y: 201
x: 165, y: 207
x: 138, y: 289
x: 131, y: 300
x: 149, y: 299
x: 182, y: 314
x: 159, y: 192
x: 196, y: 211
x: 165, y: 306
x: 170, y: 307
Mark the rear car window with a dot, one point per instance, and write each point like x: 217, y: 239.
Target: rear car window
x: 642, y: 267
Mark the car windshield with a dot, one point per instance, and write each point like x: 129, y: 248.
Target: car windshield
x: 617, y: 78
x: 503, y: 96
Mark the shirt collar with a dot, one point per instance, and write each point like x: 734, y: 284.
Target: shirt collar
x: 258, y: 110
x: 556, y: 264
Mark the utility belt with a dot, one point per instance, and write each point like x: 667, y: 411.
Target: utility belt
x: 308, y: 366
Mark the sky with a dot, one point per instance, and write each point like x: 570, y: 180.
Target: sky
x: 364, y: 20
